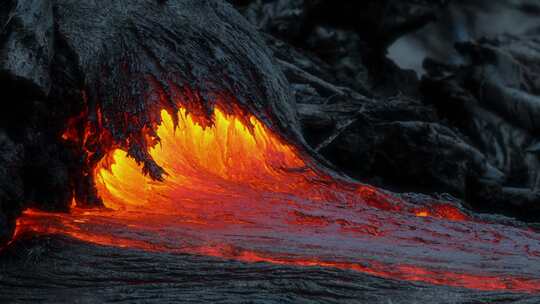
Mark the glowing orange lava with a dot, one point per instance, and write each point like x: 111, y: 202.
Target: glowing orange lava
x: 234, y: 190
x: 202, y: 160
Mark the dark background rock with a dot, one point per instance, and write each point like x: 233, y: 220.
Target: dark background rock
x: 378, y: 123
x: 30, y: 122
x: 493, y: 100
x: 351, y: 36
x: 11, y: 185
x: 461, y: 21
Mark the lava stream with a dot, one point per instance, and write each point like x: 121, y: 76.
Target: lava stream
x: 235, y: 190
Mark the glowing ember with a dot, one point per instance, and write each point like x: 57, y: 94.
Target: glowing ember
x: 236, y: 191
x: 422, y: 213
x: 442, y: 211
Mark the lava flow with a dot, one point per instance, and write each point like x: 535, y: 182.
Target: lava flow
x: 234, y: 190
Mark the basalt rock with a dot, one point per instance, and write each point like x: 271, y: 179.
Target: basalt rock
x: 493, y: 100
x: 36, y: 163
x: 398, y: 143
x: 11, y: 185
x: 374, y: 124
x: 351, y: 36
x: 395, y: 142
x: 378, y: 22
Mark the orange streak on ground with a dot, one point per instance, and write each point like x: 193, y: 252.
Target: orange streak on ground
x: 34, y: 221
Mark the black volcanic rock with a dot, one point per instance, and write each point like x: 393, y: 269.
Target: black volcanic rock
x: 396, y: 143
x: 11, y: 185
x: 494, y: 101
x: 377, y: 22
x: 462, y: 134
x: 26, y: 48
x: 350, y: 36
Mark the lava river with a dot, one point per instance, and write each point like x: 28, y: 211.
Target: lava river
x: 234, y: 190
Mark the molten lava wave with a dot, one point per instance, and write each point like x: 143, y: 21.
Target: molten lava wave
x: 234, y: 190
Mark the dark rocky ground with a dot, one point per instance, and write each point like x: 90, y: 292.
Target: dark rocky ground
x: 317, y: 72
x: 68, y: 271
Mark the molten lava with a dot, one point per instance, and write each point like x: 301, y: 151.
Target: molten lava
x: 235, y: 190
x: 201, y: 160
